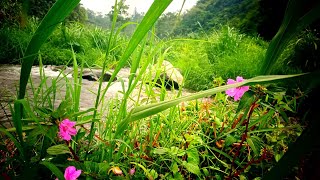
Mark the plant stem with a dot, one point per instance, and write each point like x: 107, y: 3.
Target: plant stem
x: 76, y: 158
x: 244, y: 137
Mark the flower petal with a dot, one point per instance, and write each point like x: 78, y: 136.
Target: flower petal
x: 231, y: 92
x: 68, y: 172
x: 75, y: 175
x: 239, y: 79
x: 238, y: 92
x: 245, y: 88
x: 231, y: 81
x: 72, y: 131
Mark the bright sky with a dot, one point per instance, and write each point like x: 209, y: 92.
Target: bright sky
x: 104, y: 6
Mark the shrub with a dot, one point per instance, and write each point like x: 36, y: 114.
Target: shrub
x: 224, y: 53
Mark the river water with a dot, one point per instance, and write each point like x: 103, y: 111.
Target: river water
x: 9, y: 80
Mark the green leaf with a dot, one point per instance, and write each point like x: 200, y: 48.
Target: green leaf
x: 242, y: 177
x: 252, y: 146
x: 193, y: 155
x: 24, y: 128
x: 255, y: 144
x: 277, y: 157
x: 205, y: 171
x: 178, y: 176
x: 56, y: 171
x: 160, y: 151
x: 175, y: 151
x: 191, y: 167
x: 193, y: 139
x: 174, y: 167
x: 58, y: 149
x: 152, y: 174
x: 97, y: 168
x: 230, y: 140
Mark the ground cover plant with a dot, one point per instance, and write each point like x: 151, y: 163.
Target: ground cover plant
x: 236, y: 128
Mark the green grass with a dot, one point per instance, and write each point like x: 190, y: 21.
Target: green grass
x: 222, y: 53
x: 89, y: 44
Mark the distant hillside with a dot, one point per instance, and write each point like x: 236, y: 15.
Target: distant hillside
x: 247, y: 15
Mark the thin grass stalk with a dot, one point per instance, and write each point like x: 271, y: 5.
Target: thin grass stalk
x: 114, y: 20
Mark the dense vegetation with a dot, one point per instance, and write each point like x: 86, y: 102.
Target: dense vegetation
x: 205, y: 135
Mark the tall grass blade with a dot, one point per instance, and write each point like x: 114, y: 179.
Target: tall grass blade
x: 151, y: 109
x: 154, y: 12
x: 59, y: 11
x: 110, y: 42
x: 294, y: 21
x: 16, y: 118
x: 56, y: 171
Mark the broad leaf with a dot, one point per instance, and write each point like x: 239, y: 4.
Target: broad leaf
x: 191, y: 167
x: 58, y: 149
x: 56, y: 171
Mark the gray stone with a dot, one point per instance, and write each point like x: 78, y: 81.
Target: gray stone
x: 95, y: 75
x: 90, y: 77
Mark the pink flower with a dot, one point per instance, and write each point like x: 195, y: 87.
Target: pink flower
x: 66, y: 129
x: 132, y: 171
x: 238, y: 92
x: 71, y: 173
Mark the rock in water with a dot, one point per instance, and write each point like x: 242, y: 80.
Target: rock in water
x: 107, y: 76
x: 94, y: 75
x: 58, y: 68
x: 90, y: 77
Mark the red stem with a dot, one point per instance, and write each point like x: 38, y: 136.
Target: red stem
x: 243, y: 138
x: 76, y: 158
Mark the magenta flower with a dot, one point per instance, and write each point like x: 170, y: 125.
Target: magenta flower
x: 238, y: 92
x: 71, y: 173
x: 66, y: 129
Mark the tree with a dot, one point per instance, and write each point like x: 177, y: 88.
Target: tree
x: 39, y: 8
x: 166, y: 24
x: 208, y: 14
x: 79, y: 14
x: 122, y: 12
x: 10, y: 11
x: 98, y: 19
